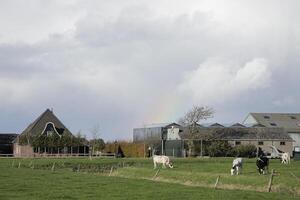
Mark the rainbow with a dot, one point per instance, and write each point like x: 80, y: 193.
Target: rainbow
x: 165, y: 109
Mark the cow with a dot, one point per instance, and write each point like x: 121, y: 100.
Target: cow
x: 237, y: 166
x: 262, y: 164
x: 164, y: 160
x: 285, y: 158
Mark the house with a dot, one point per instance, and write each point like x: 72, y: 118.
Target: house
x: 6, y: 143
x: 290, y: 122
x: 45, y: 126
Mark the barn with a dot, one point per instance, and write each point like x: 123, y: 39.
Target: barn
x: 290, y: 122
x: 6, y: 143
x: 175, y: 139
x: 163, y: 138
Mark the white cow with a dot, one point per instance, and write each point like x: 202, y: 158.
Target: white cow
x: 285, y: 158
x: 237, y: 166
x: 164, y: 160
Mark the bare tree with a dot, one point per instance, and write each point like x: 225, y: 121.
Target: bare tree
x: 191, y: 118
x: 95, y: 136
x: 195, y: 115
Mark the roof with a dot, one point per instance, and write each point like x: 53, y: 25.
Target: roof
x: 159, y: 125
x: 7, y: 138
x: 237, y: 125
x: 289, y: 121
x: 39, y: 124
x: 216, y: 125
x: 238, y: 133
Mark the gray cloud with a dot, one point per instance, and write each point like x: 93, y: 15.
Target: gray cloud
x: 121, y: 64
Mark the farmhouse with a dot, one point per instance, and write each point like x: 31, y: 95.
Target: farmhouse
x: 43, y: 136
x: 173, y: 138
x: 6, y: 143
x: 290, y: 122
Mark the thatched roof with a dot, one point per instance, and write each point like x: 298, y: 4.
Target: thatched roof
x: 38, y: 126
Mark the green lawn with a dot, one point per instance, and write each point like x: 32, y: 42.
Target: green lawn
x: 133, y: 179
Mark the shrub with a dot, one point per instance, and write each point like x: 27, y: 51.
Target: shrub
x: 248, y: 150
x: 219, y: 149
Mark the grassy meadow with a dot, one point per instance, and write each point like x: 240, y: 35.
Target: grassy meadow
x: 110, y: 178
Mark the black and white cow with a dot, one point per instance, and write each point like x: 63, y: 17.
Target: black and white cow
x: 262, y: 164
x: 237, y: 166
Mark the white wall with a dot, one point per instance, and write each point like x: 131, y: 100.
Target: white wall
x: 296, y: 137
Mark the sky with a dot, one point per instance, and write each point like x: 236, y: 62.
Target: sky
x: 121, y: 64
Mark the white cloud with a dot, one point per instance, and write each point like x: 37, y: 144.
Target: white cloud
x: 215, y: 81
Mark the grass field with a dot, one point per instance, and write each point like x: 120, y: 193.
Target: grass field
x: 81, y: 178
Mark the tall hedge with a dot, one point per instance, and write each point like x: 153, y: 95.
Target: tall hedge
x: 129, y: 149
x: 219, y: 149
x: 244, y: 151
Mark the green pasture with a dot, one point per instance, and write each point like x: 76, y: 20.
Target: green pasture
x: 110, y: 178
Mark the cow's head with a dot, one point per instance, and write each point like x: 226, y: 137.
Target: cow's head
x: 170, y: 164
x: 232, y: 171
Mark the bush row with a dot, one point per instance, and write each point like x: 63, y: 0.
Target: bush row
x: 222, y: 148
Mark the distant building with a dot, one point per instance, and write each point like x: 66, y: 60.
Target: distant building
x: 163, y: 138
x: 6, y: 143
x: 262, y: 137
x: 46, y: 124
x: 236, y: 134
x: 290, y: 122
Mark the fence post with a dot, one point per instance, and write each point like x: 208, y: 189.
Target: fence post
x: 217, y: 181
x: 53, y: 167
x: 30, y: 164
x: 111, y: 170
x: 156, y: 174
x: 270, y: 181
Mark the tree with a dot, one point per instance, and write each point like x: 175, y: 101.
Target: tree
x: 95, y: 143
x: 190, y: 120
x: 195, y: 115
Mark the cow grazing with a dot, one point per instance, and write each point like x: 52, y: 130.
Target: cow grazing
x: 262, y: 164
x: 285, y: 158
x: 237, y: 166
x: 164, y: 160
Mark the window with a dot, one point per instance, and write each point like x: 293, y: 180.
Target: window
x: 260, y: 143
x: 49, y: 133
x: 237, y: 142
x: 273, y: 124
x: 267, y: 117
x: 282, y: 143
